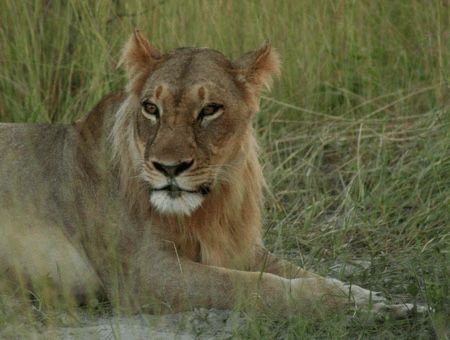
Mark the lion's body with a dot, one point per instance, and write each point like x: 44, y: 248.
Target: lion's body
x: 160, y: 204
x: 71, y: 205
x: 36, y: 165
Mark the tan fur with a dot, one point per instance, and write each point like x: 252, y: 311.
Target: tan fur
x: 97, y: 199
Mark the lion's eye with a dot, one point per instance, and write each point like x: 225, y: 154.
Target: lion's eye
x: 150, y: 110
x: 210, y: 111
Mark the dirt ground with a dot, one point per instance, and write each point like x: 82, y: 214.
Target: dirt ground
x: 199, y: 324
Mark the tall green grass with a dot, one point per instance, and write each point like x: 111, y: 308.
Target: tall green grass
x: 355, y: 134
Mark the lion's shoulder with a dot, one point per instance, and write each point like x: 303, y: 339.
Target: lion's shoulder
x: 91, y: 125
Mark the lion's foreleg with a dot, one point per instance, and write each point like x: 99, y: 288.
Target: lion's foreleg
x: 159, y: 275
x: 181, y: 285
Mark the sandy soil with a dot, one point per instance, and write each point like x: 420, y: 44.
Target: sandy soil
x: 199, y: 324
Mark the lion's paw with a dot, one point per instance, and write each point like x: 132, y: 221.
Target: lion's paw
x: 376, y: 304
x: 398, y: 311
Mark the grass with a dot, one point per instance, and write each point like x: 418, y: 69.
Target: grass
x: 355, y: 135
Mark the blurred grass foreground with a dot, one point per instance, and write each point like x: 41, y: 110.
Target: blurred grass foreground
x: 355, y: 134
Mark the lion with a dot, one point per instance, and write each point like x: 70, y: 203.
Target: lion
x: 154, y: 197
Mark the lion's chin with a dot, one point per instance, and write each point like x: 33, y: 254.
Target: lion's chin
x: 183, y: 204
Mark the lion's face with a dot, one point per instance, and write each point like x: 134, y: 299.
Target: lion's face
x: 192, y: 123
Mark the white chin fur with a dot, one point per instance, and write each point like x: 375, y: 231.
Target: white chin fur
x: 185, y: 204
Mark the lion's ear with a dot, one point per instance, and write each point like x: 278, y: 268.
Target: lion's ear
x: 257, y: 68
x: 138, y: 55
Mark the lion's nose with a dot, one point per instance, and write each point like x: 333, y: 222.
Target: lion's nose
x: 172, y: 170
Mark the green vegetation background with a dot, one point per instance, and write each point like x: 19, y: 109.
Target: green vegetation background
x: 355, y: 134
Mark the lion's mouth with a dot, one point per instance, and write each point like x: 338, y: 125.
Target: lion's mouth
x: 175, y: 191
x: 173, y: 199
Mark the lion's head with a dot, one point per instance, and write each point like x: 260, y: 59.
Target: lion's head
x: 189, y: 114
